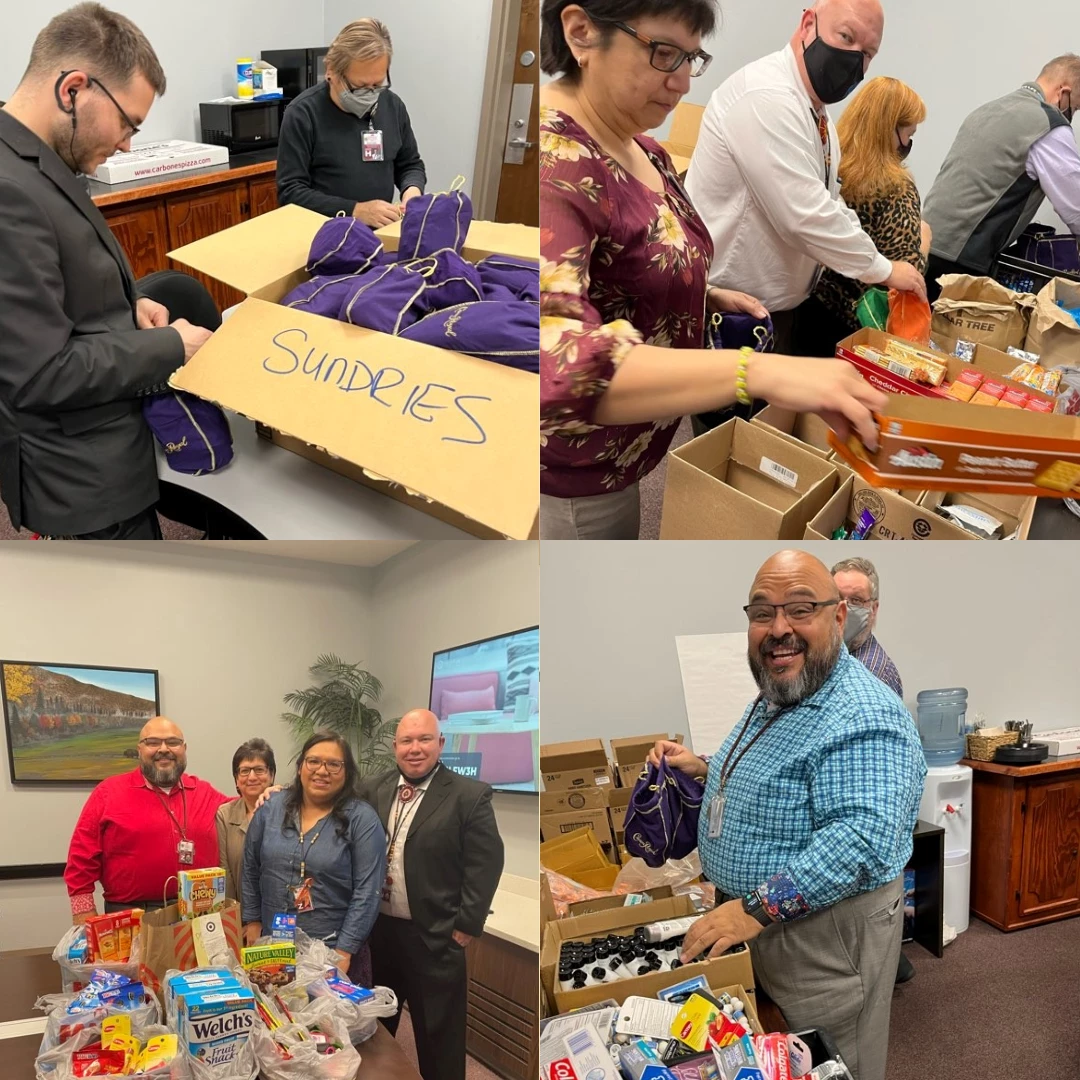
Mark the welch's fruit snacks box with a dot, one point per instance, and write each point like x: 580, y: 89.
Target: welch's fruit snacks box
x: 215, y: 1022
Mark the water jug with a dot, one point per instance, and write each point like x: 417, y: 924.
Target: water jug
x: 941, y: 725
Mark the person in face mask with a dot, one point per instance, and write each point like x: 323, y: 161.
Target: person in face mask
x: 857, y: 582
x: 876, y: 132
x: 347, y: 143
x: 765, y: 172
x: 1007, y: 157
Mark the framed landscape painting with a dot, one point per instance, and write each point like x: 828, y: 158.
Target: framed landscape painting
x: 70, y: 723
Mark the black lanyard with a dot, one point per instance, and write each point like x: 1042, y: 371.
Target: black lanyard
x: 319, y: 826
x: 164, y: 802
x: 401, y: 817
x: 725, y: 771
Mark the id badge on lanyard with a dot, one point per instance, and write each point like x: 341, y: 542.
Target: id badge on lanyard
x: 185, y: 852
x: 716, y: 815
x: 373, y: 145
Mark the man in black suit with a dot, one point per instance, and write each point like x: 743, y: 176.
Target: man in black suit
x: 444, y: 861
x: 80, y: 345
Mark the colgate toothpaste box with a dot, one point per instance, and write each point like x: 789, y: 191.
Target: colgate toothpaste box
x: 583, y: 1057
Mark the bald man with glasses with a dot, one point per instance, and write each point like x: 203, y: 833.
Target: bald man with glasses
x: 141, y: 828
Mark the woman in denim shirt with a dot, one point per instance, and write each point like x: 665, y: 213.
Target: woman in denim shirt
x: 319, y: 851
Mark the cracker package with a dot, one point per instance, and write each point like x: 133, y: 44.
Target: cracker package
x: 270, y: 966
x: 201, y: 892
x: 109, y: 937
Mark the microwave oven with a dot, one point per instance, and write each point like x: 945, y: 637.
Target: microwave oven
x: 297, y: 69
x: 241, y: 125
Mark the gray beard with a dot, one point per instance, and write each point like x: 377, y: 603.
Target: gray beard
x: 164, y: 776
x: 816, y: 669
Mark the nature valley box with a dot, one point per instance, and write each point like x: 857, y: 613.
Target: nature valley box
x: 450, y: 434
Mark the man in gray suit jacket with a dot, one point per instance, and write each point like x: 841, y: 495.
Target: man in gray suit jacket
x: 444, y: 861
x: 79, y: 346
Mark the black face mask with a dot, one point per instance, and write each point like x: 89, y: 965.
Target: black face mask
x: 903, y: 150
x: 833, y: 72
x: 1067, y: 111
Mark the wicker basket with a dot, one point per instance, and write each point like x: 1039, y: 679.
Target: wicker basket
x: 982, y: 747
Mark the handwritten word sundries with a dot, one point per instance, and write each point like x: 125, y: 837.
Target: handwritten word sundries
x: 418, y: 401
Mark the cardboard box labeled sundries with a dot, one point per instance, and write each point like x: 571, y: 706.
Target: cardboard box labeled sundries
x: 456, y: 431
x: 735, y: 968
x: 990, y: 361
x: 807, y: 429
x: 552, y: 826
x: 742, y: 481
x: 951, y: 446
x: 575, y: 764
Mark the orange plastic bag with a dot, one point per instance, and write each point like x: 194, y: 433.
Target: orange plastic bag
x: 909, y: 317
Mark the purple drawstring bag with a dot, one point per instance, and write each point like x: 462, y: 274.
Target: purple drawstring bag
x: 344, y: 245
x: 736, y: 329
x: 323, y: 295
x: 518, y: 276
x: 503, y: 331
x: 434, y: 222
x: 194, y: 433
x: 662, y: 819
x: 393, y: 297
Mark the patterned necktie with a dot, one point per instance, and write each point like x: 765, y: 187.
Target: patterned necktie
x: 823, y: 131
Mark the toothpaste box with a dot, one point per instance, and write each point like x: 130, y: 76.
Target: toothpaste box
x: 216, y: 1024
x: 201, y: 892
x: 582, y: 1056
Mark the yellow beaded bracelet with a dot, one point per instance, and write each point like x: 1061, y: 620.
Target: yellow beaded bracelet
x: 741, y: 395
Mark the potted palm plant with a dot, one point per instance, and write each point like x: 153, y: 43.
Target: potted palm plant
x: 343, y: 701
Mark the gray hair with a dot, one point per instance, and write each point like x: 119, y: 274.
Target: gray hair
x: 364, y: 39
x: 860, y: 566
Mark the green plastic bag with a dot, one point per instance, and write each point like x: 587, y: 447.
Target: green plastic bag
x: 873, y: 309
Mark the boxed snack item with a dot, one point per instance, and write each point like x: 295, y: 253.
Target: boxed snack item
x: 949, y: 446
x: 201, y: 892
x: 214, y: 1024
x: 270, y: 966
x: 109, y: 937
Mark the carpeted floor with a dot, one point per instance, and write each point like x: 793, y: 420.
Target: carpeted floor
x: 473, y: 1069
x: 652, y: 489
x: 994, y: 1007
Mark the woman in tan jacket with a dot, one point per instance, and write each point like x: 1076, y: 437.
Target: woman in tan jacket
x: 254, y: 769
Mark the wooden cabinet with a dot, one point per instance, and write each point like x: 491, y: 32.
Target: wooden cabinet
x: 263, y: 196
x: 152, y: 218
x: 503, y: 1030
x: 142, y: 232
x: 1025, y: 860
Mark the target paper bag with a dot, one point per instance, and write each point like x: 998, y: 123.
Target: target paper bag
x: 167, y: 941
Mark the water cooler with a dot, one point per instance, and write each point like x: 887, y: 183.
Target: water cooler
x: 946, y: 799
x: 946, y: 802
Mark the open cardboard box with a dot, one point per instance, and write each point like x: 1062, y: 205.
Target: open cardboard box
x: 952, y: 446
x: 735, y: 968
x: 618, y: 804
x: 630, y: 755
x: 683, y: 135
x: 990, y: 361
x: 572, y: 800
x: 1015, y: 512
x: 484, y: 238
x: 743, y: 481
x: 607, y: 903
x: 554, y: 826
x: 806, y: 429
x: 575, y: 850
x: 575, y: 764
x: 450, y: 434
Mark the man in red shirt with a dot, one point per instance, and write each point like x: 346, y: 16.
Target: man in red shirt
x: 141, y: 828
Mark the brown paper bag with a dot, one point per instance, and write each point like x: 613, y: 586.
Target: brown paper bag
x: 1053, y: 333
x: 979, y: 310
x: 167, y: 941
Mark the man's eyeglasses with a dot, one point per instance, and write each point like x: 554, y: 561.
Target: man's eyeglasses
x: 667, y: 57
x: 795, y: 611
x: 253, y: 770
x: 314, y: 764
x: 859, y: 602
x: 133, y: 128
x: 155, y: 744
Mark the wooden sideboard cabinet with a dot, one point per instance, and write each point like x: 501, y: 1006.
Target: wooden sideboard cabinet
x: 503, y: 1026
x: 1025, y: 859
x: 150, y: 218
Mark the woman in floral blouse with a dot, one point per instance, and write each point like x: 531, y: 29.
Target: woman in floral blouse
x: 623, y: 272
x: 875, y: 139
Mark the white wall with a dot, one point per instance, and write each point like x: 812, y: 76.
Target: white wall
x: 984, y: 616
x: 956, y: 56
x: 198, y: 44
x: 440, y: 56
x: 433, y: 597
x: 228, y: 636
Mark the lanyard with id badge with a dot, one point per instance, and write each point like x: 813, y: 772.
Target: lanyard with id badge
x: 716, y: 804
x: 185, y: 848
x: 372, y: 143
x: 301, y: 892
x: 408, y: 798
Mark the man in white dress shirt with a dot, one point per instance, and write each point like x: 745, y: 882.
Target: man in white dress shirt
x: 764, y: 174
x: 444, y: 860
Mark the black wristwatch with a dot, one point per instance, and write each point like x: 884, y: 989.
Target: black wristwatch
x: 752, y: 905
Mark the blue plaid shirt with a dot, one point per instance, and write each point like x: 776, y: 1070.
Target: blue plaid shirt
x: 823, y: 805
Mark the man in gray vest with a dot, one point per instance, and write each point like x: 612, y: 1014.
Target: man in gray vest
x: 1007, y: 157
